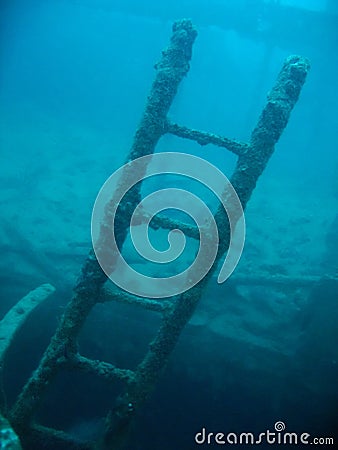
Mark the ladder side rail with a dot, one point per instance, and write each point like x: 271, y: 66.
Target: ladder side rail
x: 250, y: 166
x: 171, y: 69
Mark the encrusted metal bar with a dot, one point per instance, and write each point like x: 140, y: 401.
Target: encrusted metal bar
x: 113, y: 294
x: 250, y: 166
x: 171, y: 69
x: 273, y: 120
x: 100, y: 368
x: 204, y: 138
x: 15, y: 318
x: 172, y: 224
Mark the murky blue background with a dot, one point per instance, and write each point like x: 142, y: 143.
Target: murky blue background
x: 74, y: 79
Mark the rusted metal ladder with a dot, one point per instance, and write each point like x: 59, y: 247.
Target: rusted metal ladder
x: 63, y: 349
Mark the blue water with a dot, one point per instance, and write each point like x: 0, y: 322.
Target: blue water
x: 74, y: 78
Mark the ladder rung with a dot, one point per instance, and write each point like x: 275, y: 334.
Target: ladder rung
x: 157, y: 222
x: 110, y: 293
x: 100, y: 368
x: 172, y: 224
x: 204, y: 138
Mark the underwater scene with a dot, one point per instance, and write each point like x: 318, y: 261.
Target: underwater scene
x: 169, y: 226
